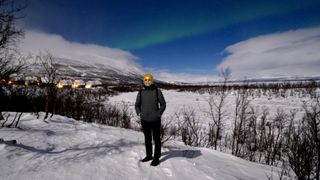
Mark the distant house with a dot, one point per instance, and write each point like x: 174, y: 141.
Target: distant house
x: 14, y: 79
x: 92, y: 84
x: 44, y: 82
x: 78, y: 84
x: 31, y: 80
x: 66, y: 83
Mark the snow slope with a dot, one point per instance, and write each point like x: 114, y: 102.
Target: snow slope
x: 64, y: 148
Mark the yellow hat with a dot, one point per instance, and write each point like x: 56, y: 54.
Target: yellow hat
x: 148, y: 76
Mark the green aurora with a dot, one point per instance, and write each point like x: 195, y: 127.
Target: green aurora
x: 176, y: 22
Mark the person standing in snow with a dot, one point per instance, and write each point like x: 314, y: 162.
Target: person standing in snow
x: 150, y: 105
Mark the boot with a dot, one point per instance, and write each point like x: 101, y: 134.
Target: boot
x: 146, y: 159
x: 155, y: 162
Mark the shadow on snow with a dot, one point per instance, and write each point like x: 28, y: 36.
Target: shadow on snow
x: 180, y: 153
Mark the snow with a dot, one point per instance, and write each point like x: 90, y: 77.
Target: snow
x: 63, y: 148
x: 178, y: 101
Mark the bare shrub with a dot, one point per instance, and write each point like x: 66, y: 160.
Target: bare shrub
x: 240, y: 120
x: 168, y: 131
x: 216, y: 111
x: 274, y: 139
x: 311, y: 126
x: 125, y: 121
x: 300, y: 151
x: 190, y: 130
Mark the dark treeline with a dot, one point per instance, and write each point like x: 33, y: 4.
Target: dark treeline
x: 285, y: 85
x: 88, y: 105
x: 236, y: 86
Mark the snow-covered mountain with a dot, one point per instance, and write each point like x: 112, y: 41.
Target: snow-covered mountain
x: 63, y: 148
x: 79, y: 60
x: 73, y: 69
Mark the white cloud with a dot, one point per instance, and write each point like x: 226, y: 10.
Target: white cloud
x: 292, y: 53
x: 35, y: 41
x: 166, y: 75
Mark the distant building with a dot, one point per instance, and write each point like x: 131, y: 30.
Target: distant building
x: 31, y: 80
x: 91, y: 84
x: 78, y: 84
x: 66, y: 83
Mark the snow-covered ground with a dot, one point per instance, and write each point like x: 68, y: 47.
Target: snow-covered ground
x: 64, y: 148
x: 177, y: 101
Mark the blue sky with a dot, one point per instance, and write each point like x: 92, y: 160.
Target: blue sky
x: 182, y: 36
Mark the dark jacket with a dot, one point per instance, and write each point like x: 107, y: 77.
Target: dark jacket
x: 147, y: 106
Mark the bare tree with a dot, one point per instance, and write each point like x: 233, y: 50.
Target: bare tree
x: 49, y: 68
x: 251, y: 135
x: 217, y: 111
x: 10, y: 64
x: 240, y: 119
x: 262, y: 132
x: 301, y: 151
x: 312, y: 119
x: 9, y: 35
x: 274, y: 139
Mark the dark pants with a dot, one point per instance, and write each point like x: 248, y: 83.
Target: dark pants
x: 152, y: 129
